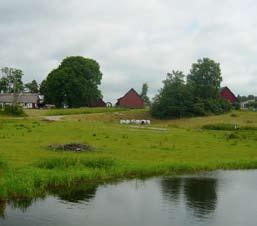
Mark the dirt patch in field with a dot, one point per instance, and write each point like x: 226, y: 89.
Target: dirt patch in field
x: 72, y: 147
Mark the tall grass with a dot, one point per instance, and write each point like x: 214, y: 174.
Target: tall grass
x: 64, y: 163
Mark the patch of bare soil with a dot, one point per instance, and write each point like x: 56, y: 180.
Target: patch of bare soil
x: 72, y: 147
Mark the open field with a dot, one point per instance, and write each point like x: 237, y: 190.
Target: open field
x: 28, y: 167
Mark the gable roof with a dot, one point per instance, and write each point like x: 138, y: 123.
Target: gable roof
x: 22, y: 98
x: 131, y: 90
x: 226, y: 88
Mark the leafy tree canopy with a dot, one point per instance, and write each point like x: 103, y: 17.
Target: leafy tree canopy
x: 174, y: 99
x: 11, y: 80
x: 74, y: 83
x: 32, y: 86
x: 205, y: 79
x: 199, y: 95
x: 144, y: 94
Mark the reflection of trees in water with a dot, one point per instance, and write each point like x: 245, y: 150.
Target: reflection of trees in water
x: 2, y: 208
x: 171, y: 188
x: 199, y: 193
x: 76, y: 192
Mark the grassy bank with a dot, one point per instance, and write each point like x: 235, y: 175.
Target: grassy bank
x: 28, y: 167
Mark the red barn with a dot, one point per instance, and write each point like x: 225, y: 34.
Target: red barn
x: 228, y: 95
x: 131, y: 100
x: 99, y: 103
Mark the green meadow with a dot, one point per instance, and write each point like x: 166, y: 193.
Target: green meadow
x: 29, y: 168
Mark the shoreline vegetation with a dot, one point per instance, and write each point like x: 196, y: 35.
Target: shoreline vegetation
x: 28, y: 168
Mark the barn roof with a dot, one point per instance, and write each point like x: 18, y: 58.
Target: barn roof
x: 131, y: 90
x: 22, y: 98
x: 226, y: 88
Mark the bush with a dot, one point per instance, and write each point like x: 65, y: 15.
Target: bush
x: 220, y: 126
x: 228, y: 127
x: 13, y: 110
x: 217, y: 106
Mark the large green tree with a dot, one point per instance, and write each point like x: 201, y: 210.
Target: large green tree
x: 205, y: 79
x: 11, y: 80
x: 74, y: 83
x: 32, y: 86
x: 174, y: 99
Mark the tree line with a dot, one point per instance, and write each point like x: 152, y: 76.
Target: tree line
x: 11, y: 82
x: 75, y: 83
x: 196, y: 94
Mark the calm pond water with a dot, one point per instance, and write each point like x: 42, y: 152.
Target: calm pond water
x: 217, y: 198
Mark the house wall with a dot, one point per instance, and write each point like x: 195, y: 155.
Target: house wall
x: 24, y: 105
x: 227, y: 95
x: 131, y: 100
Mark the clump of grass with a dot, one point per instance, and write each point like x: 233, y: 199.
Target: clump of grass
x: 66, y: 163
x: 13, y: 110
x: 234, y: 115
x: 54, y: 163
x: 3, y: 164
x: 99, y: 163
x: 232, y: 136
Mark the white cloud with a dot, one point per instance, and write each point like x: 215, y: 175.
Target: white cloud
x: 134, y: 41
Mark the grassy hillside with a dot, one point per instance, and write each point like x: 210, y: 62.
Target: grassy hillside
x: 28, y: 167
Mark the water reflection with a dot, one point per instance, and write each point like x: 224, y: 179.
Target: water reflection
x: 2, y: 208
x: 199, y: 194
x: 190, y: 200
x: 22, y: 204
x: 76, y: 192
x: 171, y: 188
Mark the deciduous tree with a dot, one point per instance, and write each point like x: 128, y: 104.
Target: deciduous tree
x: 74, y: 83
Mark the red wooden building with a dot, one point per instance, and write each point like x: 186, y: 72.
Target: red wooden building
x: 228, y: 95
x: 99, y: 103
x: 131, y: 100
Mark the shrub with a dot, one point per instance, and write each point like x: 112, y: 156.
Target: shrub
x: 227, y: 127
x: 217, y: 106
x: 232, y: 136
x: 13, y: 110
x: 221, y: 126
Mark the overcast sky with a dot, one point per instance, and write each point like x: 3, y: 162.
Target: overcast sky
x: 134, y: 41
